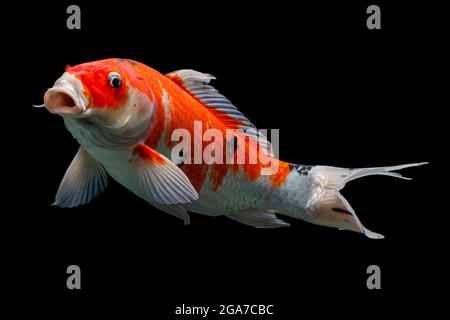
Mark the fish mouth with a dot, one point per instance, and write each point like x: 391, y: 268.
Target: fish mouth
x: 60, y: 102
x: 65, y: 98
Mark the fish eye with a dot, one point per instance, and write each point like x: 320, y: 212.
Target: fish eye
x: 115, y: 80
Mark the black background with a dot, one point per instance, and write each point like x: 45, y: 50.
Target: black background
x: 340, y: 94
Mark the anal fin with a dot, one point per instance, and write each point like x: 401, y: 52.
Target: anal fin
x: 175, y: 210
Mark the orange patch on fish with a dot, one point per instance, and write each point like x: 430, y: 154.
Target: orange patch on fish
x: 280, y: 177
x: 148, y: 153
x: 196, y: 174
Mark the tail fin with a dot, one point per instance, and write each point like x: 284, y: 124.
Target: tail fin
x: 334, y: 210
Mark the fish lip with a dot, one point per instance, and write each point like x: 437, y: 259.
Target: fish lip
x: 65, y: 97
x: 74, y: 110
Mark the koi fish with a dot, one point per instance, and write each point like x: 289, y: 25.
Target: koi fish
x: 125, y: 114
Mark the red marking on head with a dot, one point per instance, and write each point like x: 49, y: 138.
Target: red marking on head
x: 94, y: 76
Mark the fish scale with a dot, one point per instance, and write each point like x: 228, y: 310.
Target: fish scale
x: 233, y: 195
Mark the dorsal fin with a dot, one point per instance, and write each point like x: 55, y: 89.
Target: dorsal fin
x: 197, y: 85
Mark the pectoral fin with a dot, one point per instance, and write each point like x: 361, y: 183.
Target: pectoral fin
x: 84, y: 179
x: 156, y: 179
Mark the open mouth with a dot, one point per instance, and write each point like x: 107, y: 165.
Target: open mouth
x: 66, y: 97
x: 60, y: 102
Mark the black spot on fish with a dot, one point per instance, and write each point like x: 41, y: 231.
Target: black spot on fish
x: 131, y: 62
x: 341, y: 210
x: 303, y: 170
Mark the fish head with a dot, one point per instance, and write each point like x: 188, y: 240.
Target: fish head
x: 102, y: 93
